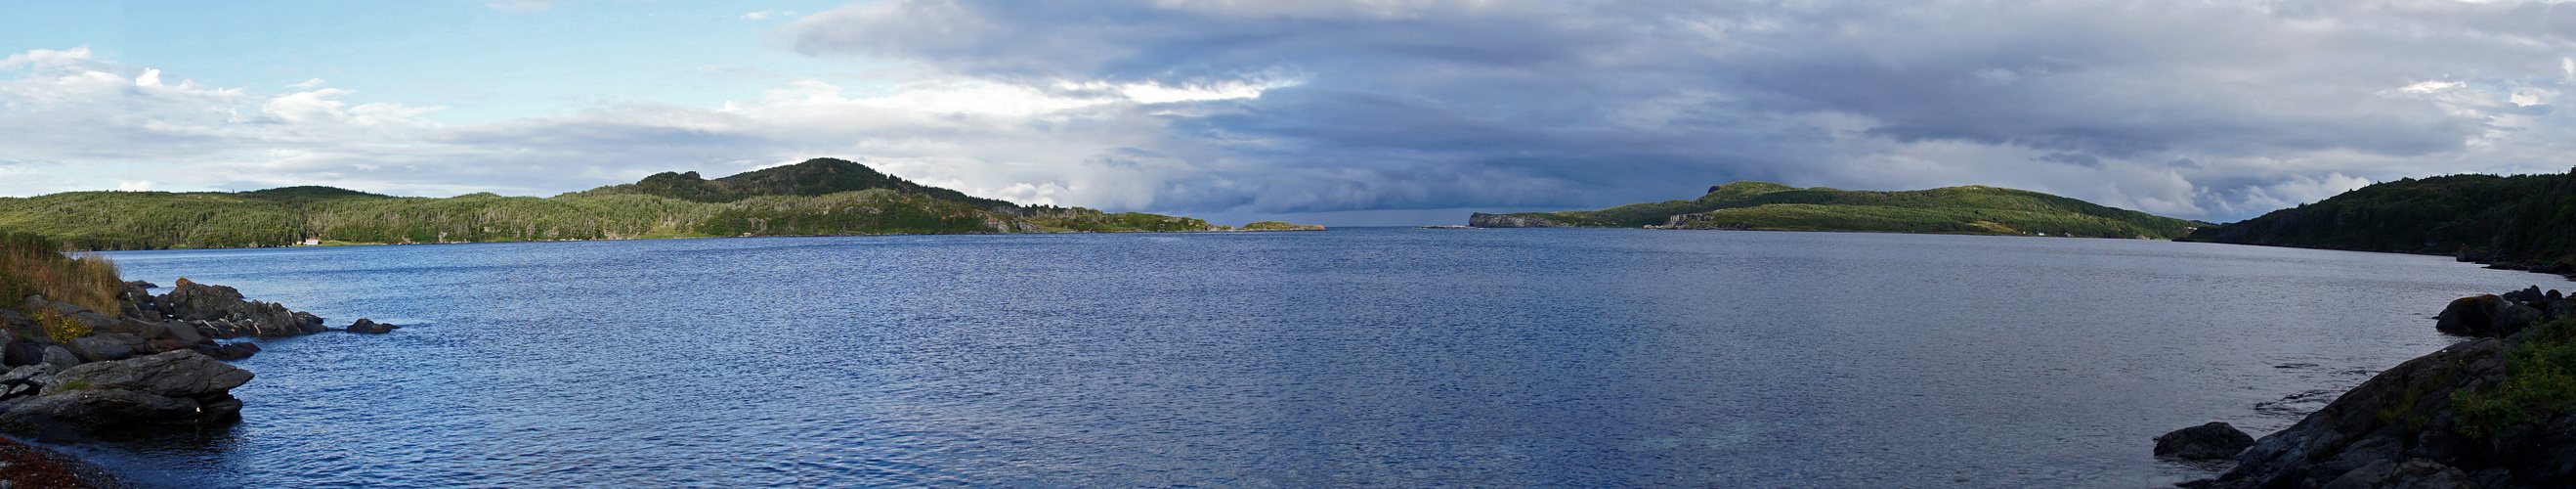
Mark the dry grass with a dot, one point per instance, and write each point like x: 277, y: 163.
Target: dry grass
x: 33, y: 265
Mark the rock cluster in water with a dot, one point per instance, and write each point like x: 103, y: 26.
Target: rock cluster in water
x: 2495, y: 315
x: 156, y: 362
x: 2397, y: 430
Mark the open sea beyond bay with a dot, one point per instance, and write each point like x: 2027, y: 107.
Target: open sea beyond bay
x: 1369, y: 357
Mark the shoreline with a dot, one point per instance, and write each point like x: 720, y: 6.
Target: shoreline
x: 1303, y: 228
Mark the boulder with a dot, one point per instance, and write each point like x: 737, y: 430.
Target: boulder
x: 60, y: 357
x: 105, y: 347
x: 22, y: 351
x: 371, y: 327
x: 2215, y: 440
x: 2486, y: 316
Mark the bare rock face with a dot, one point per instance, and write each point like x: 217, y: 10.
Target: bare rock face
x: 176, y: 387
x: 181, y: 373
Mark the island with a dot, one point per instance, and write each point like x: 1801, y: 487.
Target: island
x: 1974, y: 209
x: 819, y: 197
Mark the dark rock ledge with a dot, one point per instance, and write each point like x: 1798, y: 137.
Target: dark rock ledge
x: 2403, y: 428
x: 157, y: 363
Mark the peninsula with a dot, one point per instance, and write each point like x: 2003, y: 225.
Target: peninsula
x: 2518, y: 222
x: 1974, y: 209
x: 818, y: 197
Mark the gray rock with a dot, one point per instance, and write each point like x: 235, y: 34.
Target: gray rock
x: 371, y: 327
x: 2527, y: 295
x: 2409, y: 474
x: 105, y: 407
x: 229, y: 316
x: 100, y: 348
x: 60, y: 357
x: 2485, y: 315
x: 182, y: 332
x: 181, y: 373
x: 2215, y: 440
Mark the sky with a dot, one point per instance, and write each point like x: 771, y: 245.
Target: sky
x: 1336, y: 112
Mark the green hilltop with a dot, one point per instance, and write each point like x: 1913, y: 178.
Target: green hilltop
x: 822, y: 196
x: 2525, y: 221
x: 1973, y: 209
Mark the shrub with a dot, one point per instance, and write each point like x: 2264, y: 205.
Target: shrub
x: 2540, y: 380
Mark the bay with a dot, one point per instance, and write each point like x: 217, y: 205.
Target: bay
x: 1369, y: 357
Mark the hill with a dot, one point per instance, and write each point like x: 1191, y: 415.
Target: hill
x: 2521, y: 221
x: 818, y: 197
x: 1971, y: 209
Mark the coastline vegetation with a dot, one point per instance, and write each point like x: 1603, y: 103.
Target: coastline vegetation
x: 818, y: 197
x: 2540, y: 382
x: 1973, y: 209
x: 2528, y: 219
x: 31, y: 264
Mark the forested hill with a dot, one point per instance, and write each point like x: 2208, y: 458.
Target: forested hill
x: 819, y: 176
x: 1973, y: 209
x: 817, y: 197
x: 2528, y: 221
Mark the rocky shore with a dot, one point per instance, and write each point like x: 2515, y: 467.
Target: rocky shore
x: 156, y: 363
x: 2431, y: 422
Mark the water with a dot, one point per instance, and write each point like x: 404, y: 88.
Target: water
x: 1366, y: 357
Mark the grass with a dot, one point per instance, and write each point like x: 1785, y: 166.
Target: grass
x: 32, y: 264
x: 2540, y: 382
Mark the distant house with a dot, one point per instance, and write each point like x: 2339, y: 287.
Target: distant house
x: 312, y: 241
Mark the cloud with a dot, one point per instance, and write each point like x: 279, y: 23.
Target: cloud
x: 1444, y: 104
x: 2211, y: 110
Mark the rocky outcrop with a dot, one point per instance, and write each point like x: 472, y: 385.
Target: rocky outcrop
x: 1484, y: 220
x: 371, y: 327
x: 2396, y: 424
x: 2211, y: 441
x: 2496, y: 316
x: 2402, y: 427
x: 217, y: 311
x: 176, y: 387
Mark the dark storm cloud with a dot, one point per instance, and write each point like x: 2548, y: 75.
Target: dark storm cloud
x: 1438, y: 104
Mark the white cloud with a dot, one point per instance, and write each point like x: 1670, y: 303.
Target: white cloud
x: 761, y: 15
x: 307, y: 84
x: 134, y: 186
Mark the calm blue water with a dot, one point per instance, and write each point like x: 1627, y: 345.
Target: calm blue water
x: 1354, y: 357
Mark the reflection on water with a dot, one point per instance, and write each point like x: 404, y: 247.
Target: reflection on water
x: 1367, y: 357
